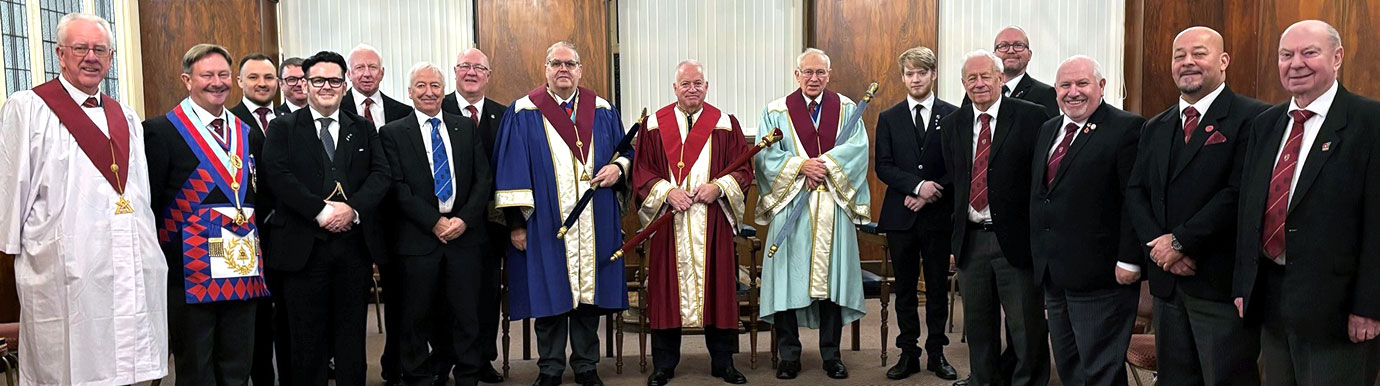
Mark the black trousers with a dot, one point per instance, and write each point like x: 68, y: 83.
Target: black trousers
x: 490, y: 305
x: 1306, y: 358
x: 991, y: 286
x: 1089, y: 332
x: 581, y: 327
x: 326, y: 311
x: 722, y: 343
x: 910, y: 250
x: 830, y: 332
x: 441, y: 285
x: 1202, y: 342
x: 390, y: 281
x: 270, y: 335
x: 212, y: 343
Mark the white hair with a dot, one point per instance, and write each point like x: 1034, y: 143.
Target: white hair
x: 349, y: 59
x: 980, y: 53
x: 1097, y: 68
x: 693, y: 63
x: 552, y: 49
x: 66, y: 22
x: 812, y: 51
x: 423, y: 66
x: 1332, y: 35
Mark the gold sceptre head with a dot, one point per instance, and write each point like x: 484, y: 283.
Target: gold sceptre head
x: 560, y: 233
x: 871, y: 91
x: 616, y: 255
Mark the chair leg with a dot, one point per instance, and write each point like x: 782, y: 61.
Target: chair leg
x: 507, y: 340
x: 11, y: 370
x: 752, y: 337
x: 527, y: 339
x: 953, y: 291
x: 886, y: 301
x: 642, y: 326
x: 774, y: 358
x: 857, y: 332
x: 156, y: 382
x: 618, y: 354
x: 1135, y: 374
x: 608, y: 336
x: 378, y: 305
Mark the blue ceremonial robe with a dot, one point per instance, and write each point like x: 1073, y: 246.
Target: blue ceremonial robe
x: 539, y: 171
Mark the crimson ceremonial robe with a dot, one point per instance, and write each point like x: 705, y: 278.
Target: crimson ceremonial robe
x: 692, y: 268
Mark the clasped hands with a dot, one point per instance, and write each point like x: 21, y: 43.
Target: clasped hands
x: 340, y: 219
x: 681, y: 200
x: 448, y: 228
x: 930, y: 191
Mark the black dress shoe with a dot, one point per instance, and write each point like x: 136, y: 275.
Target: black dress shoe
x: 963, y: 382
x: 904, y: 367
x: 440, y: 380
x: 660, y: 377
x: 588, y: 378
x: 487, y: 374
x: 547, y: 380
x: 787, y: 369
x: 835, y: 369
x: 941, y: 367
x: 729, y: 375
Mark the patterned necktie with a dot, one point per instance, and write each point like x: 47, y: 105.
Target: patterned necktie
x: 977, y: 188
x: 262, y: 112
x: 91, y: 102
x: 369, y: 110
x: 440, y: 170
x: 327, y: 141
x: 474, y: 113
x: 1272, y: 237
x: 1060, y: 151
x: 814, y: 112
x: 1190, y: 122
x: 569, y: 110
x: 218, y: 127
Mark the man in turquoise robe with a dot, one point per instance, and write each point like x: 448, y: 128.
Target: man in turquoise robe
x: 814, y: 277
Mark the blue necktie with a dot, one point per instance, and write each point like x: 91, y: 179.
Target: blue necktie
x: 440, y: 171
x: 569, y: 109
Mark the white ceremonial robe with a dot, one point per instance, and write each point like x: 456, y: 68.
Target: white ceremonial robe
x: 92, y: 284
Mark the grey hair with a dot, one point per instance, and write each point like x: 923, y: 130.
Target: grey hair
x: 566, y: 44
x: 361, y: 48
x: 1096, y: 67
x: 1332, y: 35
x: 66, y: 21
x: 812, y: 51
x: 980, y: 53
x: 423, y: 66
x: 693, y: 63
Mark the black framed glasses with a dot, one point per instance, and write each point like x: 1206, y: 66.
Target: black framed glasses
x: 1013, y: 47
x: 319, y: 82
x: 292, y: 80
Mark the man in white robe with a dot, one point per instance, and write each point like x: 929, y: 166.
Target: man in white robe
x: 74, y: 207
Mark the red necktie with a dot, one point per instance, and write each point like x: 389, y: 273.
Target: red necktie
x: 977, y: 188
x: 91, y: 102
x: 1059, y: 151
x: 218, y: 127
x: 368, y: 110
x: 1190, y: 122
x: 814, y: 111
x: 263, y: 117
x: 569, y: 109
x: 1272, y: 237
x: 474, y: 113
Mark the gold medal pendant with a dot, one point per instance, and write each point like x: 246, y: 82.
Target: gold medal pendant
x: 584, y: 176
x: 236, y: 163
x: 240, y: 218
x: 122, y: 206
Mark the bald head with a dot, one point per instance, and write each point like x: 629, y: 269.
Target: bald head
x: 1199, y: 62
x: 1013, y: 47
x: 1310, y: 55
x: 1079, y: 86
x: 472, y: 74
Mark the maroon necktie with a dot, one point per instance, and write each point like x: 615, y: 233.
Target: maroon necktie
x: 263, y: 117
x: 977, y: 197
x: 368, y: 110
x: 218, y: 127
x: 814, y: 111
x: 1059, y: 152
x: 1190, y: 122
x: 474, y: 113
x: 1272, y: 238
x: 91, y: 102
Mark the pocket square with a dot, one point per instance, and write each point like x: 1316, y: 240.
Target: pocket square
x: 1216, y: 138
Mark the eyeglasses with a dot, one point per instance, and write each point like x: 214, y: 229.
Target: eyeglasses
x: 699, y: 84
x: 813, y: 73
x: 321, y: 82
x: 81, y: 51
x: 557, y: 64
x: 368, y: 69
x: 1013, y: 47
x: 466, y: 67
x: 292, y: 80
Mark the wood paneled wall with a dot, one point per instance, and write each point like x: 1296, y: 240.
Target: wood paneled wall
x: 863, y: 40
x: 1251, y: 29
x: 169, y: 28
x: 515, y: 35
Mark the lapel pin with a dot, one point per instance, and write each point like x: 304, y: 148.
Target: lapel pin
x: 349, y: 136
x: 1327, y: 146
x: 1209, y: 128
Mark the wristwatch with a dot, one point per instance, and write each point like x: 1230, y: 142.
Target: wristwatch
x: 1174, y: 243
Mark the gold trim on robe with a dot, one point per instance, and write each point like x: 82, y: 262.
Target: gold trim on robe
x: 652, y: 206
x: 784, y: 188
x: 733, y: 201
x: 844, y: 193
x: 579, y: 249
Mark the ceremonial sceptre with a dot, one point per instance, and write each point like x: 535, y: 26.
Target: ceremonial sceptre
x: 661, y: 222
x: 847, y: 131
x: 588, y: 195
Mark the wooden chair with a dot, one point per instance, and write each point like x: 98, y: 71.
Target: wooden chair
x: 749, y: 250
x: 878, y: 279
x: 1140, y: 355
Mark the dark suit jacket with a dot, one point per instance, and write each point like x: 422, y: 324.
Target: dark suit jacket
x: 414, y: 192
x: 1032, y: 90
x: 295, y: 168
x: 392, y: 109
x: 1077, y: 228
x: 1190, y: 190
x: 904, y: 157
x: 1331, y: 246
x: 249, y: 117
x: 282, y: 110
x: 1008, y: 173
x: 488, y: 125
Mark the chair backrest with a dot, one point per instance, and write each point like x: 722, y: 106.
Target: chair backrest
x: 9, y: 294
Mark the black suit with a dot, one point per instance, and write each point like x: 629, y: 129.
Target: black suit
x: 994, y: 260
x: 282, y: 109
x: 263, y: 372
x: 1031, y: 90
x: 433, y: 272
x: 906, y: 155
x: 1190, y: 190
x: 326, y: 274
x: 392, y: 109
x: 242, y: 111
x: 207, y: 339
x: 1078, y: 234
x: 1332, y: 253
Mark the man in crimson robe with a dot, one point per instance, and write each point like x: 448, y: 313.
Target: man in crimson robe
x: 693, y: 269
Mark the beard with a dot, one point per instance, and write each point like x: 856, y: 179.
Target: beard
x: 1191, y: 88
x: 264, y: 102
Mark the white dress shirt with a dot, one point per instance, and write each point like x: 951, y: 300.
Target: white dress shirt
x: 1011, y: 84
x: 97, y: 114
x: 478, y: 107
x: 1059, y: 135
x: 985, y: 214
x: 1201, y: 106
x: 1320, y: 107
x: 255, y: 106
x: 376, y: 110
x: 819, y: 101
x: 447, y: 204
